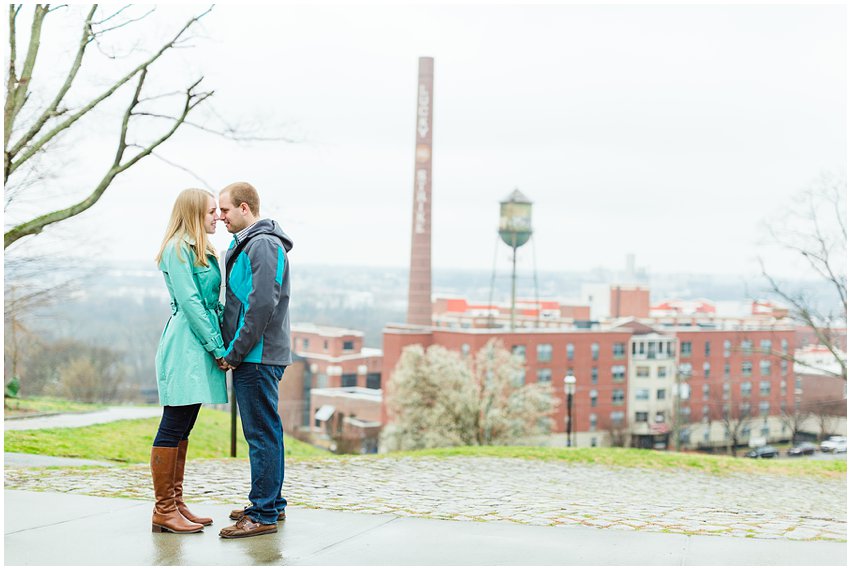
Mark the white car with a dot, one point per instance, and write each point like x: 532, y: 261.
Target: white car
x: 835, y: 444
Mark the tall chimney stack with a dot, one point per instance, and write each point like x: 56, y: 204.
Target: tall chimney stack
x: 419, y: 282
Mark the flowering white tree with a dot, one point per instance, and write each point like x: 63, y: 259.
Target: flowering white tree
x: 439, y: 399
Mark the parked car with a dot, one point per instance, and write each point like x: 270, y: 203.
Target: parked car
x: 835, y: 444
x: 803, y: 448
x: 763, y: 451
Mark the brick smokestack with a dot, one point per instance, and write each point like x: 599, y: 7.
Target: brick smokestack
x: 419, y: 283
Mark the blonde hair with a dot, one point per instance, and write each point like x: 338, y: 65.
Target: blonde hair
x: 243, y: 193
x: 187, y: 219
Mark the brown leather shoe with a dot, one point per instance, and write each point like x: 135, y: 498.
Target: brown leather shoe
x: 237, y: 514
x: 166, y: 517
x: 178, y: 486
x: 246, y: 527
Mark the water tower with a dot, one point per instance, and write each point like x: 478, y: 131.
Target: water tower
x: 515, y: 229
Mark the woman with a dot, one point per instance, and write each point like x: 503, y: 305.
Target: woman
x: 189, y: 354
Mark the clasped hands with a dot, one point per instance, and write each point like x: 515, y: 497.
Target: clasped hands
x: 223, y: 364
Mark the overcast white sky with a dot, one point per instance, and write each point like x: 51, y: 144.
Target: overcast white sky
x: 666, y: 131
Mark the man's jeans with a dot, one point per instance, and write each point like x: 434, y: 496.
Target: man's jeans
x: 256, y: 387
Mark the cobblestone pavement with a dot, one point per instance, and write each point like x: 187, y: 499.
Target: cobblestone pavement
x: 514, y: 490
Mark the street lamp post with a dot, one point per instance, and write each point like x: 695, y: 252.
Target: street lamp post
x: 569, y: 389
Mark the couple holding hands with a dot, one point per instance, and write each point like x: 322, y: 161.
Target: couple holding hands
x: 249, y: 335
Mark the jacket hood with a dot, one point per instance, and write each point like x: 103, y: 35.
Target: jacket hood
x: 266, y: 226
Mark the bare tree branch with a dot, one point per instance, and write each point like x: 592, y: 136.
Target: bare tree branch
x: 206, y: 184
x: 52, y: 109
x: 36, y: 225
x: 18, y: 87
x: 28, y: 151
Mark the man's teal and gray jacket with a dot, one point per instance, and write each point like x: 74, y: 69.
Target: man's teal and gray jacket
x: 256, y: 322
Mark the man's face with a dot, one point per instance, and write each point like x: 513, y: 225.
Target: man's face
x: 232, y: 216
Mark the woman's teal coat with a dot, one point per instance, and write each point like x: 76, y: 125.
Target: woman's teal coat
x: 187, y: 372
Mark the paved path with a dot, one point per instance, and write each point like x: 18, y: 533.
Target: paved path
x: 83, y: 419
x: 509, y: 490
x: 62, y: 529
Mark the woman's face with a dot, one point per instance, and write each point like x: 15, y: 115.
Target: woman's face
x: 210, y: 216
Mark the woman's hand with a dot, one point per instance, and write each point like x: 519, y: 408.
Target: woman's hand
x: 223, y: 364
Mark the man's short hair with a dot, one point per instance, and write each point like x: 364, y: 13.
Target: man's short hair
x: 243, y: 192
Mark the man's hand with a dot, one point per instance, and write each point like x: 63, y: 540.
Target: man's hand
x: 224, y: 365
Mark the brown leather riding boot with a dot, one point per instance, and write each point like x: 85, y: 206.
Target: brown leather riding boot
x: 166, y: 517
x: 178, y: 486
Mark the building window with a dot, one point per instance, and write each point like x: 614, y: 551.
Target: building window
x: 685, y: 349
x: 305, y: 343
x: 373, y: 380
x: 765, y: 387
x: 765, y: 368
x: 595, y: 351
x: 686, y: 369
x: 726, y: 370
x: 519, y: 379
x: 348, y: 345
x: 706, y: 370
x: 617, y: 397
x: 784, y: 368
x: 747, y: 368
x: 745, y: 409
x: 705, y: 414
x: 595, y: 374
x: 747, y: 346
x: 783, y: 387
x: 765, y: 431
x: 349, y: 380
x: 784, y: 346
x: 642, y: 394
x: 685, y: 412
x: 641, y: 416
x: 519, y: 350
x: 593, y: 394
x: 726, y: 390
x: 764, y: 407
x: 660, y: 417
x: 465, y: 349
x: 570, y: 350
x: 322, y: 381
x: 765, y: 346
x: 660, y: 394
x: 662, y: 372
x: 707, y: 348
x: 727, y: 345
x: 316, y: 422
x: 325, y: 344
x: 746, y: 389
x: 617, y: 418
x: 592, y: 422
x: 706, y: 391
x: 642, y: 371
x: 545, y: 375
x: 545, y: 352
x: 618, y: 350
x: 618, y: 372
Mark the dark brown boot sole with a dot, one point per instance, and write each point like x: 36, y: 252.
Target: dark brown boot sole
x: 158, y: 528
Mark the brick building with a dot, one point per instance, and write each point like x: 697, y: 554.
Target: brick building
x: 333, y: 388
x: 641, y: 385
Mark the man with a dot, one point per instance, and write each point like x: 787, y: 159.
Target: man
x: 256, y: 333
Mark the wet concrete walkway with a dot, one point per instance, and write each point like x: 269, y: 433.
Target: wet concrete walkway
x: 82, y: 419
x: 61, y: 529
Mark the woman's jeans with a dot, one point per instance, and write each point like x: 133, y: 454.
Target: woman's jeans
x: 176, y: 424
x: 256, y: 387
